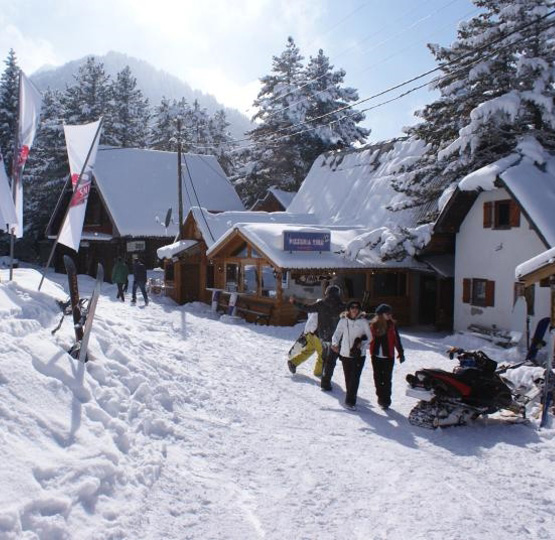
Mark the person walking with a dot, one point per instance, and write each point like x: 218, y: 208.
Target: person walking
x: 312, y: 345
x: 119, y: 277
x: 328, y: 311
x: 385, y: 339
x: 347, y: 339
x: 139, y: 280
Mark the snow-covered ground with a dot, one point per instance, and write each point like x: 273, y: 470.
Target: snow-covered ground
x: 186, y: 427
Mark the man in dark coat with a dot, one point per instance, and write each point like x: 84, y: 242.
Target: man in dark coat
x: 328, y: 311
x: 139, y: 280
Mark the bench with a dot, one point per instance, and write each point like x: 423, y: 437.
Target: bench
x: 503, y: 338
x: 262, y: 313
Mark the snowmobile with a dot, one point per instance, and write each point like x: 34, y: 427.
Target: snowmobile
x: 475, y: 388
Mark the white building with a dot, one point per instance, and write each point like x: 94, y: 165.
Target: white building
x: 501, y: 215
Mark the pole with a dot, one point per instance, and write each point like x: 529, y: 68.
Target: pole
x: 77, y: 185
x: 179, y: 180
x: 15, y: 174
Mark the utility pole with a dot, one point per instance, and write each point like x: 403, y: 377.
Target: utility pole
x: 179, y: 179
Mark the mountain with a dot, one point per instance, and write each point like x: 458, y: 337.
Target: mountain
x: 153, y: 82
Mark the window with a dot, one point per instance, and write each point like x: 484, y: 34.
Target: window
x: 269, y: 282
x: 232, y: 277
x: 241, y: 251
x: 479, y: 292
x: 250, y: 279
x: 390, y: 284
x: 503, y: 214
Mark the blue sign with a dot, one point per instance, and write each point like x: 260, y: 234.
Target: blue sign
x: 306, y: 241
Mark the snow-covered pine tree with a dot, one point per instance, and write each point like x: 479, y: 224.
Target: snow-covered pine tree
x: 196, y: 130
x: 130, y: 112
x: 9, y: 100
x: 164, y: 133
x: 496, y: 86
x: 46, y: 170
x: 277, y: 151
x: 222, y: 142
x: 324, y: 94
x: 90, y: 98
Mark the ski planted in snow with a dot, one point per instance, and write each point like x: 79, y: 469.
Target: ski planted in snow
x: 548, y: 381
x: 90, y: 311
x: 76, y: 305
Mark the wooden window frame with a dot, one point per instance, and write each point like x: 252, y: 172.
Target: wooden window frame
x: 470, y: 286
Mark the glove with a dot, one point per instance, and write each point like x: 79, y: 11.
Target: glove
x: 401, y: 358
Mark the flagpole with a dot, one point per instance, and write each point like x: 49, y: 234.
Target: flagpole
x: 77, y: 185
x: 15, y: 163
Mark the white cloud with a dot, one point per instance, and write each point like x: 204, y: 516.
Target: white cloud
x: 31, y: 53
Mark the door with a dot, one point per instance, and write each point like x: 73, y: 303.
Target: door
x: 190, y: 282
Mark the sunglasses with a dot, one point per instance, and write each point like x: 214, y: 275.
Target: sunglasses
x: 356, y: 306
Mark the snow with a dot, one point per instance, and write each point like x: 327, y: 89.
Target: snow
x: 169, y: 251
x: 535, y: 263
x: 133, y: 180
x: 180, y: 427
x: 268, y: 240
x: 484, y: 178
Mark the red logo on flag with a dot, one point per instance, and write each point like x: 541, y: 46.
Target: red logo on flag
x: 23, y: 155
x: 80, y: 195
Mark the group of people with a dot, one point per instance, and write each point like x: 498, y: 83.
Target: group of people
x: 120, y: 276
x: 337, y: 330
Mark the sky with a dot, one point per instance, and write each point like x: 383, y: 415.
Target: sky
x: 223, y: 47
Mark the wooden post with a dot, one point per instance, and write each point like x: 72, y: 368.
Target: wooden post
x: 179, y: 180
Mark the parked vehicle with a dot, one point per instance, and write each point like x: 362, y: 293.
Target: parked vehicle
x: 475, y: 388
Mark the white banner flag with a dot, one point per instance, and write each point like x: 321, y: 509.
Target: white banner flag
x: 79, y: 141
x: 7, y: 208
x: 30, y: 102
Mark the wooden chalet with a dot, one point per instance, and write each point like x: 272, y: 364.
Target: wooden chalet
x: 275, y: 200
x: 249, y: 257
x: 131, y: 193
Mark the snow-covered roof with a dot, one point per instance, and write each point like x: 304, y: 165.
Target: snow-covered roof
x: 138, y: 186
x: 213, y: 226
x: 268, y: 240
x: 283, y: 197
x: 169, y: 251
x: 535, y: 263
x: 529, y: 176
x: 354, y: 187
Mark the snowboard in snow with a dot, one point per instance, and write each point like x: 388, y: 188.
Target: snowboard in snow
x: 71, y: 271
x: 89, y: 316
x: 537, y: 339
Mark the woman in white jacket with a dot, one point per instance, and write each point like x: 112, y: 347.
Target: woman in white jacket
x: 351, y: 331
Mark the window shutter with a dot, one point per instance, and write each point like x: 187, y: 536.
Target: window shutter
x: 490, y: 293
x: 466, y: 290
x: 515, y: 215
x: 488, y: 215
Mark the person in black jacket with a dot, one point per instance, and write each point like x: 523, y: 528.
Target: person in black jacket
x: 328, y: 311
x: 139, y: 280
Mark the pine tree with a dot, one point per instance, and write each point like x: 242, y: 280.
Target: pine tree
x: 324, y: 95
x: 495, y: 89
x: 90, y: 98
x: 130, y: 112
x: 197, y: 137
x: 9, y: 100
x: 47, y: 168
x: 222, y: 142
x: 277, y: 151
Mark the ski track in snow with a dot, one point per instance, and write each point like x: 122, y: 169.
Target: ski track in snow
x: 182, y: 426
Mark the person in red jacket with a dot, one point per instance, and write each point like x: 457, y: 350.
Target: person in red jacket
x: 385, y: 339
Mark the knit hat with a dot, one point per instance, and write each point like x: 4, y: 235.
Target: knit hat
x: 333, y: 290
x: 383, y: 308
x: 354, y: 303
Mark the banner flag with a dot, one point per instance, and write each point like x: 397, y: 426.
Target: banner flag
x: 82, y: 146
x: 30, y: 102
x: 7, y: 207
